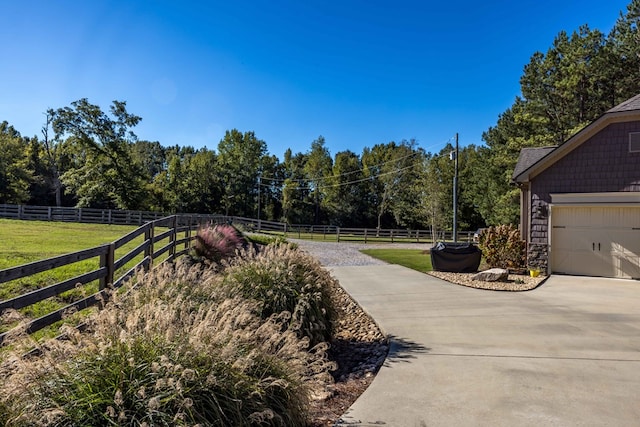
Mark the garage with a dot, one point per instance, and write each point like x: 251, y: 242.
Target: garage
x: 596, y: 241
x: 580, y: 200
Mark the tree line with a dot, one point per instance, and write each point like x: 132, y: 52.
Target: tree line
x: 86, y: 157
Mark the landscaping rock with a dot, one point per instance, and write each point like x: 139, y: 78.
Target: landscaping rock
x: 492, y: 275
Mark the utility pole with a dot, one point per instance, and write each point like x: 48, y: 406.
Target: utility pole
x: 259, y: 194
x: 455, y: 193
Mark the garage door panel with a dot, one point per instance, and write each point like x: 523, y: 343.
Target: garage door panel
x: 610, y: 217
x: 578, y: 217
x: 563, y: 238
x: 626, y: 242
x: 627, y: 266
x: 630, y: 218
x: 596, y: 241
x: 561, y: 217
x: 561, y: 260
x: 585, y: 240
x: 601, y: 265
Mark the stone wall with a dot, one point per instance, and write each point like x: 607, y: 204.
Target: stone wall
x: 538, y: 256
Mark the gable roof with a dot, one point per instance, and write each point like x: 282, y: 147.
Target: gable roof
x: 529, y: 156
x: 627, y: 111
x: 632, y: 104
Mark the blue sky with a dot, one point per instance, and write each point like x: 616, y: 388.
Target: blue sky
x: 357, y: 72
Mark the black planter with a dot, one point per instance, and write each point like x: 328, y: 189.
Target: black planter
x: 455, y: 257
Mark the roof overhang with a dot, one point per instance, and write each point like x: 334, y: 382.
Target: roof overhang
x: 575, y: 141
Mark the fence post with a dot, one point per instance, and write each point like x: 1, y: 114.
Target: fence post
x: 107, y: 261
x: 20, y: 211
x: 172, y: 238
x: 148, y: 252
x: 49, y: 213
x: 365, y: 235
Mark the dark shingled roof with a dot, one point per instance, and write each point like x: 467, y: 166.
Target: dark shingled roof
x: 528, y: 157
x: 531, y: 156
x: 632, y: 104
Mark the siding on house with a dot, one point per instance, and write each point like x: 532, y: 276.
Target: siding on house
x: 601, y: 164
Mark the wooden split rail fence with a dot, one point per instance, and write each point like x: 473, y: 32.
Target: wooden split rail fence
x: 112, y: 216
x: 90, y: 215
x: 172, y: 235
x: 175, y: 235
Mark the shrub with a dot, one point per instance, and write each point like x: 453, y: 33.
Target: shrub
x: 283, y: 279
x: 502, y: 247
x: 175, y: 351
x: 218, y: 242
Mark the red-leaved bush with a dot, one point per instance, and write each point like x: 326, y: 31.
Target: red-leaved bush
x: 502, y: 247
x: 218, y: 242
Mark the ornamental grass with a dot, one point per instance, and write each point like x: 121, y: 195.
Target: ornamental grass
x: 281, y: 278
x: 187, y: 345
x: 218, y: 242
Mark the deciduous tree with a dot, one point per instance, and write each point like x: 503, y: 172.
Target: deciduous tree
x: 239, y: 157
x: 103, y: 173
x: 317, y: 170
x: 15, y: 175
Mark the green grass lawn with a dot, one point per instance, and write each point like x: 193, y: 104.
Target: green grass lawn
x: 22, y: 242
x: 415, y: 259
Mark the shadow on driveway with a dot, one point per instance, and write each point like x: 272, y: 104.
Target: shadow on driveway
x: 403, y: 350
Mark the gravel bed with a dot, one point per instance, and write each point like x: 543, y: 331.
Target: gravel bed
x: 514, y: 283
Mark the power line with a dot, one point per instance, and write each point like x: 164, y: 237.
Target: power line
x: 308, y: 180
x: 341, y: 184
x: 369, y: 178
x: 301, y: 180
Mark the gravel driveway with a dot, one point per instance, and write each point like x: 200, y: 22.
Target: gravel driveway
x: 333, y: 254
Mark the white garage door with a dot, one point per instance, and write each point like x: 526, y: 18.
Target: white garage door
x: 596, y: 241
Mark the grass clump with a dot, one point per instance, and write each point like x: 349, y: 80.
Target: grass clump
x: 218, y: 242
x: 179, y: 349
x: 280, y: 279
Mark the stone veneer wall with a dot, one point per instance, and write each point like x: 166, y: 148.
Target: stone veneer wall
x: 538, y: 256
x: 600, y: 165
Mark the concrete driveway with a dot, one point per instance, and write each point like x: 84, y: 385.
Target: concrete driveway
x: 565, y: 354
